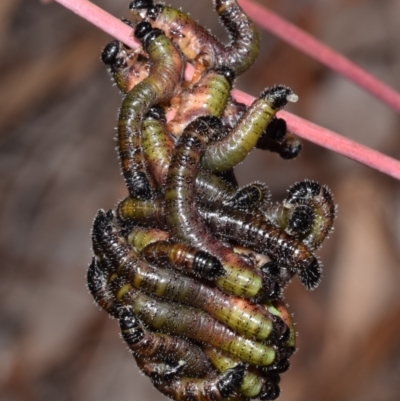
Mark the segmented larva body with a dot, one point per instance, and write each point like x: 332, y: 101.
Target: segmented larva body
x: 185, y: 223
x: 198, y: 44
x: 158, y: 146
x: 308, y: 212
x: 261, y: 235
x: 254, y: 385
x: 157, y: 143
x: 229, y: 151
x: 275, y: 137
x: 236, y: 313
x: 153, y: 347
x: 193, y: 323
x: 206, y: 97
x: 219, y: 388
x: 165, y: 72
x: 254, y: 195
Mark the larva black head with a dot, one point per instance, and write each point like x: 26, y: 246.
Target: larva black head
x: 207, y: 266
x: 301, y: 219
x: 157, y: 113
x: 276, y: 129
x: 110, y: 52
x: 270, y: 391
x: 310, y: 276
x: 228, y: 73
x: 142, y: 29
x: 278, y: 96
x: 290, y: 149
x: 139, y: 4
x: 146, y: 34
x: 302, y: 190
x: 231, y: 380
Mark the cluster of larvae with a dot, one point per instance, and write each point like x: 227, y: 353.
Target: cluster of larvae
x: 192, y: 266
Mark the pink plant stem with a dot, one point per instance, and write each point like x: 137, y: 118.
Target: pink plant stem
x: 297, y: 125
x: 325, y: 55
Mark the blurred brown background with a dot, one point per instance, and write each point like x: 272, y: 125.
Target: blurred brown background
x: 58, y: 166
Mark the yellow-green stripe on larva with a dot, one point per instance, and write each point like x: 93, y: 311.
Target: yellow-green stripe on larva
x: 236, y: 313
x: 157, y: 144
x: 198, y: 325
x: 252, y: 383
x: 229, y: 151
x: 165, y: 72
x: 183, y: 218
x: 151, y: 346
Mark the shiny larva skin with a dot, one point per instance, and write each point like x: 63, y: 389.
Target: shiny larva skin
x: 165, y: 72
x: 309, y: 207
x: 158, y: 146
x: 252, y: 383
x: 275, y: 137
x: 219, y: 388
x: 193, y: 323
x: 198, y: 44
x: 229, y: 151
x: 319, y: 198
x: 254, y: 195
x: 188, y: 259
x: 157, y: 143
x: 239, y: 315
x: 262, y: 236
x: 256, y: 384
x: 184, y: 221
x: 154, y: 347
x: 206, y: 97
x: 177, y: 319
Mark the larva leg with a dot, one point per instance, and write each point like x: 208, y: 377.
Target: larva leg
x: 262, y: 236
x: 186, y: 224
x: 127, y: 67
x: 239, y: 315
x: 165, y: 72
x: 157, y: 347
x: 226, y: 153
